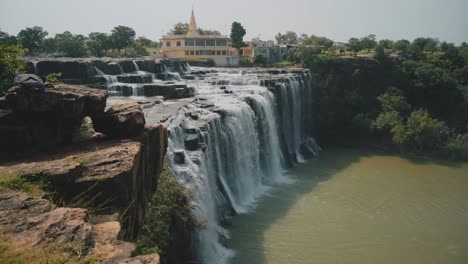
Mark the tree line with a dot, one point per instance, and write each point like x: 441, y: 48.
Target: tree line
x: 121, y: 41
x: 413, y: 94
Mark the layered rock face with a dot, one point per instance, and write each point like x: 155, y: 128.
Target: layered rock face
x: 113, y: 175
x: 84, y: 71
x: 34, y: 222
x: 37, y: 119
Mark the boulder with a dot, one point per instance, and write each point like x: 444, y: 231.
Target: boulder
x: 121, y: 121
x: 64, y: 100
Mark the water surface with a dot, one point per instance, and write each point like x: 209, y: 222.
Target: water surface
x: 358, y: 206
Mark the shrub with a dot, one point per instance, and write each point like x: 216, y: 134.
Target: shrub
x: 457, y: 148
x: 421, y: 133
x: 169, y: 202
x: 53, y: 77
x: 10, y: 65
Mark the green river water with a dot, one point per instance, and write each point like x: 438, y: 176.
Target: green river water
x: 360, y: 207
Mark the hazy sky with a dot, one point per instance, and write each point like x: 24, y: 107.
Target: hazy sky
x: 335, y: 19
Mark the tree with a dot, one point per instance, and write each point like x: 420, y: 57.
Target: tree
x: 49, y: 46
x: 237, y: 35
x: 417, y: 47
x: 71, y: 45
x: 380, y: 53
x: 421, y: 132
x: 354, y: 45
x: 208, y: 32
x: 98, y: 43
x: 179, y: 29
x: 386, y: 43
x: 430, y: 87
x: 259, y: 58
x: 122, y: 37
x: 463, y: 52
x: 431, y: 45
x: 317, y: 41
x: 6, y: 39
x: 401, y: 45
x: 10, y: 65
x: 32, y: 38
x: 368, y: 42
x: 289, y: 37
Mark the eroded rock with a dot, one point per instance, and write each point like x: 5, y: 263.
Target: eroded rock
x: 121, y: 121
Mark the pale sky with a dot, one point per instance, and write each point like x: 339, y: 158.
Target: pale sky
x: 335, y: 19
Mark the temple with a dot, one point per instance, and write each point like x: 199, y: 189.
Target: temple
x: 197, y: 47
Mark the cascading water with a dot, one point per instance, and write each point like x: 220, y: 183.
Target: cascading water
x: 235, y: 138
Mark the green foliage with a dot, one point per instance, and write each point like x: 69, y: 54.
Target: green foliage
x: 457, y: 148
x: 6, y: 39
x: 168, y: 203
x: 208, y: 32
x: 179, y: 29
x: 394, y: 101
x: 305, y: 55
x: 421, y: 133
x: 54, y: 78
x: 386, y: 121
x: 289, y: 37
x: 386, y: 43
x: 354, y: 44
x: 380, y: 53
x: 98, y: 43
x: 122, y: 37
x: 402, y: 45
x: 312, y: 40
x: 10, y: 66
x: 259, y: 58
x: 210, y: 63
x: 368, y: 42
x: 237, y: 35
x: 71, y: 45
x: 430, y: 87
x: 32, y: 38
x: 32, y: 184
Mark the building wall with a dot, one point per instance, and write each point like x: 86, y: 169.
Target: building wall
x: 199, y: 49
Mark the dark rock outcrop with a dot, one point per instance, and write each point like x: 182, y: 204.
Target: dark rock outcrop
x: 121, y: 121
x: 45, y: 119
x: 118, y: 175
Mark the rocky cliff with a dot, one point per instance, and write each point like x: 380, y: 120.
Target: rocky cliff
x: 90, y: 189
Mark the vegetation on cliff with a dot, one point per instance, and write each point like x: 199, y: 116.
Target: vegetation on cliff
x: 10, y: 65
x: 169, y: 210
x: 417, y: 100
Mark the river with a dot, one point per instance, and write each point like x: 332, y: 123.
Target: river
x: 359, y: 206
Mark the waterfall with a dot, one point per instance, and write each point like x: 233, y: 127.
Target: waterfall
x: 236, y: 138
x: 35, y: 66
x: 171, y: 75
x: 110, y: 79
x: 136, y: 66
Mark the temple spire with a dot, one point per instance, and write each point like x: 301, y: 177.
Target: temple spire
x: 193, y: 29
